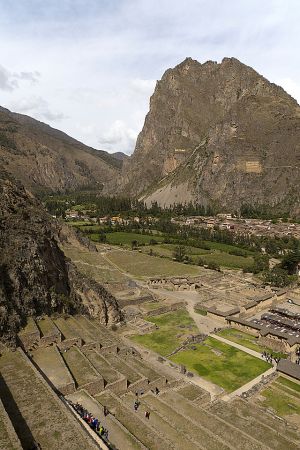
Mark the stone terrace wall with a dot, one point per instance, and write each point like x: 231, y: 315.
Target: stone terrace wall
x: 165, y: 309
x: 118, y: 386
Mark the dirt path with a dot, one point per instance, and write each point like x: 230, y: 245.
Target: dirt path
x: 238, y: 346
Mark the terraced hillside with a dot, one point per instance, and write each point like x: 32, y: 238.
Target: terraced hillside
x: 93, y: 366
x: 36, y: 412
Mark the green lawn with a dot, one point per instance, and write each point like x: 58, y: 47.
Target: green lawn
x: 221, y: 364
x: 226, y: 260
x: 247, y: 340
x: 173, y: 330
x: 122, y: 237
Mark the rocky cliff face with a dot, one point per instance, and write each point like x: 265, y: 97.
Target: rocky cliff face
x: 35, y: 276
x: 220, y: 134
x: 45, y: 159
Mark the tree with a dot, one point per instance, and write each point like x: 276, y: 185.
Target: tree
x: 179, y: 253
x: 277, y: 277
x: 291, y: 260
x: 261, y: 263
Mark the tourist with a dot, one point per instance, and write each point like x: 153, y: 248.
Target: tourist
x: 147, y: 415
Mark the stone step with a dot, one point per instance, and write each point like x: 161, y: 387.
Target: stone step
x: 105, y: 369
x: 272, y: 422
x: 127, y: 371
x: 194, y: 430
x: 53, y: 366
x: 117, y: 433
x: 136, y: 425
x: 253, y: 425
x: 83, y: 372
x: 217, y: 426
x: 179, y: 438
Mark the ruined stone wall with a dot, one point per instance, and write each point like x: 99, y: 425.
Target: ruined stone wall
x: 165, y: 309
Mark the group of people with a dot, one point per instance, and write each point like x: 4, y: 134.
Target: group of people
x: 92, y: 421
x: 270, y: 358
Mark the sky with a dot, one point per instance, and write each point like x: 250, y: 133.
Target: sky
x: 89, y: 67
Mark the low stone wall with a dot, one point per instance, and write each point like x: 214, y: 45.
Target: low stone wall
x: 94, y: 387
x: 140, y: 385
x: 244, y: 328
x: 67, y: 389
x: 135, y: 301
x: 108, y: 349
x: 67, y: 343
x: 54, y: 338
x: 165, y: 309
x: 91, y: 346
x: 274, y: 344
x: 118, y: 386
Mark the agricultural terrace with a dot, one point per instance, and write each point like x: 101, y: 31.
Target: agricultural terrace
x: 141, y: 265
x: 247, y: 340
x: 221, y: 254
x: 174, y: 327
x: 221, y: 364
x: 283, y: 396
x: 93, y: 265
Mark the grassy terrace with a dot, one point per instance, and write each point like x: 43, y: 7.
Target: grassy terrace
x: 29, y: 328
x: 221, y: 364
x: 109, y: 374
x: 141, y: 265
x: 174, y: 327
x: 247, y: 340
x: 79, y: 366
x: 285, y: 404
x: 94, y: 265
x: 47, y: 326
x: 66, y: 328
x: 52, y: 364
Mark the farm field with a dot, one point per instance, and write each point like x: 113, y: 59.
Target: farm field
x: 174, y: 327
x: 218, y: 254
x: 247, y: 340
x: 141, y: 265
x: 221, y: 364
x: 94, y: 265
x: 124, y: 238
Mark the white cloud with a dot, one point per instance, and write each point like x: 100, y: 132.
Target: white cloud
x: 118, y: 138
x: 37, y: 107
x: 98, y: 59
x: 10, y: 80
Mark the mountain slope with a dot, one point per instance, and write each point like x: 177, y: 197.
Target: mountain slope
x: 46, y: 159
x: 35, y: 276
x: 218, y: 134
